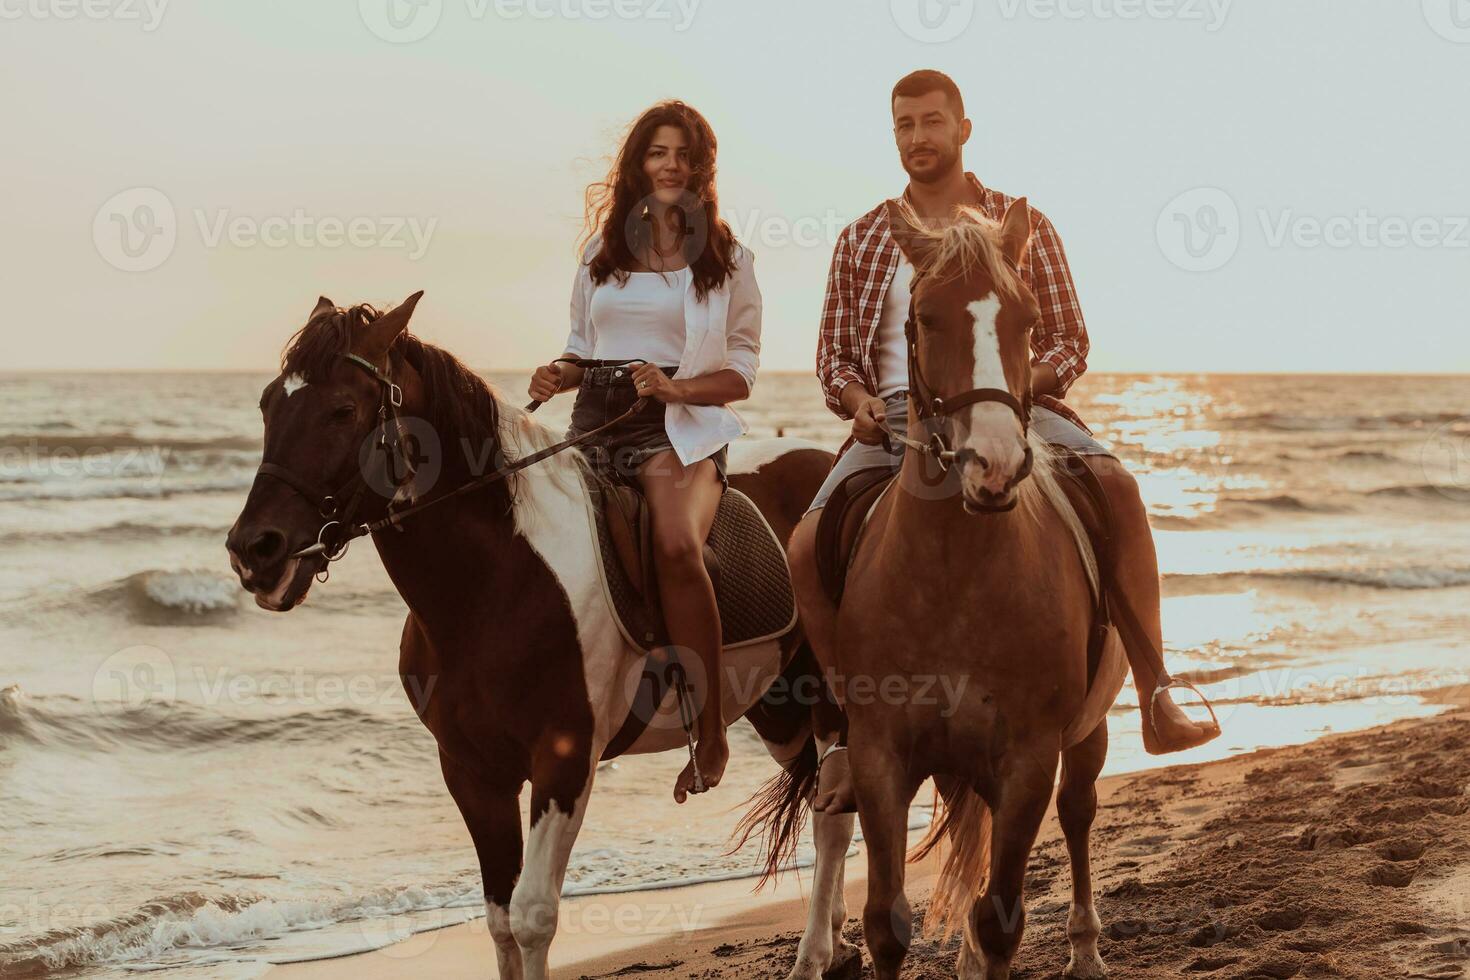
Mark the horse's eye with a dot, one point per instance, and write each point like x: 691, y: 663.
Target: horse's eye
x: 344, y: 413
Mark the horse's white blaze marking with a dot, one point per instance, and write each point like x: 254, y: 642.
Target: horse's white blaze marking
x: 990, y: 372
x: 749, y: 455
x: 293, y: 384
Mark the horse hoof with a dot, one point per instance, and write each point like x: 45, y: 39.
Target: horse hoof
x: 846, y: 966
x: 1085, y: 969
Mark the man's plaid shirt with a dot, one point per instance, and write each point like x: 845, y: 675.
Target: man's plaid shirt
x: 863, y: 265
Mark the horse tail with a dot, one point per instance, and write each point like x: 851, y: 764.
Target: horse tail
x: 961, y: 819
x: 777, y: 812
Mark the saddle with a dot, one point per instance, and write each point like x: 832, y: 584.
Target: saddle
x: 745, y: 560
x: 841, y: 525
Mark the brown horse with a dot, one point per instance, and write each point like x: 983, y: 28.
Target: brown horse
x: 986, y: 580
x: 510, y: 654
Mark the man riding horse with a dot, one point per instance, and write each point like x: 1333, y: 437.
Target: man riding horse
x: 863, y: 368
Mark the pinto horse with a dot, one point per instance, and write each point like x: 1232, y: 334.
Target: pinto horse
x: 983, y: 576
x: 510, y: 654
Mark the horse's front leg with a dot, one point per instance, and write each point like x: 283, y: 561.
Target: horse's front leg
x: 492, y: 814
x: 560, y: 785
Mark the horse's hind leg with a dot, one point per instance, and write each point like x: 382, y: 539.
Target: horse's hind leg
x: 884, y: 791
x: 784, y: 723
x: 998, y: 917
x: 823, y: 949
x: 1076, y: 806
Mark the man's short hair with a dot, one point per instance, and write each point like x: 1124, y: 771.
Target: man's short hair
x: 928, y: 80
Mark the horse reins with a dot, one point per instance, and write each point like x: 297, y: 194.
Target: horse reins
x: 340, y: 515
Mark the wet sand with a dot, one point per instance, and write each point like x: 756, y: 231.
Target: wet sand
x: 1347, y: 857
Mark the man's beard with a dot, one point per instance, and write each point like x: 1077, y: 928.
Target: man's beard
x: 944, y: 161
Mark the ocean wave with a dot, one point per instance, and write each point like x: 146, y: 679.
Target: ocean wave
x: 159, y: 597
x: 66, y: 721
x: 197, y: 921
x: 144, y: 488
x: 1286, y: 422
x: 1233, y: 509
x: 108, y: 442
x: 1342, y: 456
x: 1410, y: 578
x: 188, y: 597
x: 185, y: 597
x: 1426, y: 493
x: 122, y: 531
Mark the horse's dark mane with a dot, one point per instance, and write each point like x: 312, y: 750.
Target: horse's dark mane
x: 460, y: 406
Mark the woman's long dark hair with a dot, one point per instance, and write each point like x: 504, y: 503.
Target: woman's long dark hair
x: 617, y: 206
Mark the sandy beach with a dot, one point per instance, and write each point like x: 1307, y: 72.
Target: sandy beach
x: 1347, y: 857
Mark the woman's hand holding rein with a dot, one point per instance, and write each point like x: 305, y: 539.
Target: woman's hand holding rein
x: 551, y: 379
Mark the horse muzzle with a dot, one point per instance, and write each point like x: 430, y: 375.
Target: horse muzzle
x: 989, y: 487
x: 262, y: 560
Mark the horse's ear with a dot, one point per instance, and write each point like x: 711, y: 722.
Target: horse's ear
x: 382, y: 332
x: 1015, y: 230
x: 323, y: 305
x: 916, y: 245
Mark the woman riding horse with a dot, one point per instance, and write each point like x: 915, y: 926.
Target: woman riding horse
x: 663, y: 285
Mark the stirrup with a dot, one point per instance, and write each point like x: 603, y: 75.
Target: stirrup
x: 687, y: 719
x: 1169, y: 685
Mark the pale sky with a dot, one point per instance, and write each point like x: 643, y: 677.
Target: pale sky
x: 1320, y: 146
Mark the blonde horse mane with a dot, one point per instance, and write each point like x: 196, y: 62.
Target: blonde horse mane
x: 566, y: 472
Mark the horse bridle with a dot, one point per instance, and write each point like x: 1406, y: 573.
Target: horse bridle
x: 338, y: 508
x: 930, y: 406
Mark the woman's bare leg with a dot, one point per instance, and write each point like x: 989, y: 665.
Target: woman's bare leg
x: 683, y: 501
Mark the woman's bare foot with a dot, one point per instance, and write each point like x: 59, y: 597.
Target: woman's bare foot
x: 1168, y: 729
x: 711, y: 752
x: 834, y: 784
